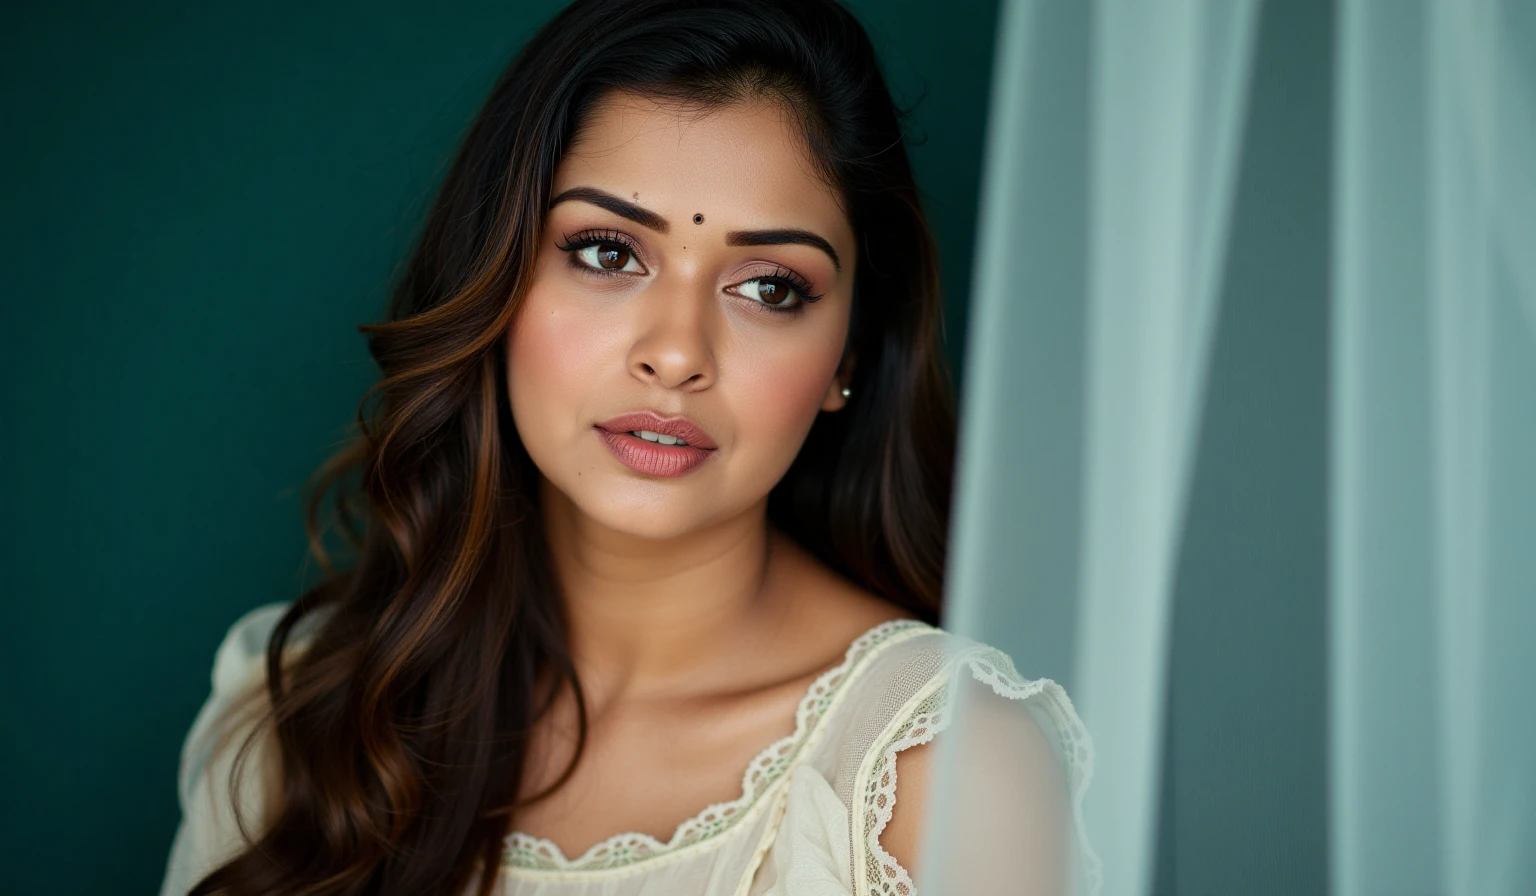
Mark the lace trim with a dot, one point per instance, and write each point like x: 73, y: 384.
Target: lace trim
x: 526, y: 852
x: 931, y: 715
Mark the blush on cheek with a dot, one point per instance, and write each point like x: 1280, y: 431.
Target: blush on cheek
x: 788, y: 396
x: 539, y: 374
x: 549, y: 351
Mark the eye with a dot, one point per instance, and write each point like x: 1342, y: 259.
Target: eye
x: 770, y: 291
x: 775, y: 293
x: 615, y: 257
x: 602, y: 252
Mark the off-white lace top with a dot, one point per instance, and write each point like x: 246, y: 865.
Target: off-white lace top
x: 812, y: 805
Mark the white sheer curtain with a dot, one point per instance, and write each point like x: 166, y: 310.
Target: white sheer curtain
x: 1136, y: 244
x: 1115, y: 132
x: 1434, y: 451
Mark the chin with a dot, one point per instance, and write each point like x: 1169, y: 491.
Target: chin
x: 647, y: 520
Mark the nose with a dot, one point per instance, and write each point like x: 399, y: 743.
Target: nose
x: 674, y: 346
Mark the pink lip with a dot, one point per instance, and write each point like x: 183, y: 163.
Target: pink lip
x: 676, y: 427
x: 652, y: 458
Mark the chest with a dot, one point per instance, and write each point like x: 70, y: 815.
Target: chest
x: 648, y: 767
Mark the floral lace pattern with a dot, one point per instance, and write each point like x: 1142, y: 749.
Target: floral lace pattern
x: 524, y: 851
x: 883, y: 874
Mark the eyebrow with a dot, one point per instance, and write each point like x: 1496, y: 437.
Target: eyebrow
x: 782, y: 238
x: 642, y: 216
x: 649, y: 219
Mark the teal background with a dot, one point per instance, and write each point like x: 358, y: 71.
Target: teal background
x: 200, y: 203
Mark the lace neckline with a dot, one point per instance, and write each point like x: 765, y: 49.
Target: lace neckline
x: 527, y: 852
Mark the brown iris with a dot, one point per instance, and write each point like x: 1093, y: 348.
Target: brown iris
x: 612, y: 256
x: 773, y: 292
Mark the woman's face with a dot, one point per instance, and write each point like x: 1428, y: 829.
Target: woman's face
x: 673, y: 277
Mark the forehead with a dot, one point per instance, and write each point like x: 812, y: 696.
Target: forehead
x: 743, y: 162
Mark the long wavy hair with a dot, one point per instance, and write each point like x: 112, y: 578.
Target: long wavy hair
x: 401, y: 727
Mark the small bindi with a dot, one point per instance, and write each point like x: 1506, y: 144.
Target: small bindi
x: 698, y: 218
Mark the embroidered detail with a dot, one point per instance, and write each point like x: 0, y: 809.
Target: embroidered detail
x: 524, y: 851
x: 931, y: 715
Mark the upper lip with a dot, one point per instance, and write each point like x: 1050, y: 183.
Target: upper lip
x: 676, y: 427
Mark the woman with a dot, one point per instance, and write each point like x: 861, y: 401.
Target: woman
x: 649, y: 512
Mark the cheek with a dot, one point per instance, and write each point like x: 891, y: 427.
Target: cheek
x: 782, y: 393
x: 549, y: 354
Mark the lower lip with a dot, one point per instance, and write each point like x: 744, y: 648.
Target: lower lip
x: 653, y: 458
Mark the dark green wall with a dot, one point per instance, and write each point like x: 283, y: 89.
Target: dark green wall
x: 199, y: 206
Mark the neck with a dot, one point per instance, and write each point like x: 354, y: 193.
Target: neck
x: 647, y: 615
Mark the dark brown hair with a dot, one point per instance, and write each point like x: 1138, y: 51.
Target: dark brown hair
x: 401, y: 727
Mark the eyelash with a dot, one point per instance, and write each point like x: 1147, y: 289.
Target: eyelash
x: 587, y: 238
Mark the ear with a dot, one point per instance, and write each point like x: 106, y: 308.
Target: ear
x: 834, y: 400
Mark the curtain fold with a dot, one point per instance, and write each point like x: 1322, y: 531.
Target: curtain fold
x: 1119, y: 209
x: 1434, y: 433
x: 1115, y: 133
x: 1170, y: 82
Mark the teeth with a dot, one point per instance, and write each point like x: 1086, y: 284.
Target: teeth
x: 657, y: 437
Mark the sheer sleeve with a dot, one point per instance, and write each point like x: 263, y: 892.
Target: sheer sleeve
x: 208, y: 834
x: 1013, y: 764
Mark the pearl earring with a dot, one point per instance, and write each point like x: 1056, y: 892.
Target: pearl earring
x: 847, y: 391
